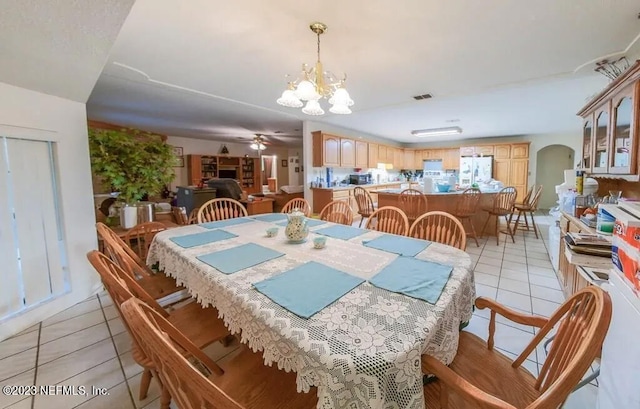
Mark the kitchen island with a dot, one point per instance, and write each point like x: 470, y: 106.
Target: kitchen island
x: 444, y: 202
x: 323, y: 195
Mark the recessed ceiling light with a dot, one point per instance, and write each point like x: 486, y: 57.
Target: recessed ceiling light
x: 452, y: 121
x: 437, y: 131
x: 423, y: 96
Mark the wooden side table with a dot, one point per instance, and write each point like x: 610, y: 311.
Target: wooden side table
x: 259, y: 206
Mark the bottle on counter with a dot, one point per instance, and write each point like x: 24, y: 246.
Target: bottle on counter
x: 580, y: 181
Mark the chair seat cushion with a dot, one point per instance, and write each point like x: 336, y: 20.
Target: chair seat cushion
x: 488, y: 370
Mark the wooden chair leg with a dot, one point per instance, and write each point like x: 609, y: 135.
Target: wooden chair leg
x: 533, y: 222
x: 145, y: 381
x: 361, y: 220
x: 165, y: 399
x: 526, y: 221
x: 485, y: 225
x: 497, y: 230
x: 473, y: 231
x: 509, y: 231
x: 517, y: 223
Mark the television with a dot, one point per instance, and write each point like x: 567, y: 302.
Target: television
x: 228, y: 174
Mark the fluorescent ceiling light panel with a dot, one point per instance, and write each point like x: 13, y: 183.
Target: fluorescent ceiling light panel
x: 437, y: 131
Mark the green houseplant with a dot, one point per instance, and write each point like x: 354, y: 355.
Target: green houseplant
x: 132, y: 162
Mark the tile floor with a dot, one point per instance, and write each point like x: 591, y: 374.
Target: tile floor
x: 87, y: 344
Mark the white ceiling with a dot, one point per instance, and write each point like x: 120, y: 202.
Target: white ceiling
x: 58, y: 47
x: 214, y: 69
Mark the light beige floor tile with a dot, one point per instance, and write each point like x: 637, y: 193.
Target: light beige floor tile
x: 18, y: 344
x: 540, y: 255
x: 152, y: 394
x: 542, y: 271
x: 75, y: 363
x: 116, y: 326
x: 516, y: 258
x: 123, y: 342
x: 544, y: 281
x: 514, y: 275
x: 583, y: 398
x: 24, y: 379
x: 71, y: 325
x: 512, y: 265
x: 129, y: 365
x: 513, y: 340
x: 486, y: 291
x: 71, y: 343
x: 472, y: 249
x: 539, y: 263
x: 23, y: 404
x: 110, y: 312
x: 105, y: 375
x: 118, y: 398
x: 543, y: 307
x: 516, y: 286
x: 17, y: 363
x: 492, y: 254
x: 515, y: 300
x: 105, y: 300
x: 32, y: 328
x: 84, y: 307
x: 486, y: 279
x: 547, y: 294
x: 487, y: 268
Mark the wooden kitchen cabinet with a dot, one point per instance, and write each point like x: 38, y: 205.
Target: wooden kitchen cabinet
x: 409, y: 159
x: 382, y: 154
x: 502, y: 152
x: 451, y: 159
x: 501, y: 168
x: 467, y: 151
x: 418, y: 164
x: 520, y: 151
x: 587, y: 140
x: 326, y: 150
x: 600, y: 141
x: 373, y: 155
x: 362, y: 154
x: 622, y: 132
x: 519, y: 176
x: 484, y: 150
x: 347, y: 153
x: 398, y: 158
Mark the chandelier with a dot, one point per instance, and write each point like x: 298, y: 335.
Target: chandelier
x: 313, y: 84
x: 257, y: 144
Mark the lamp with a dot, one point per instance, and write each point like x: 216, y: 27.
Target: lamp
x: 257, y: 144
x: 314, y: 84
x: 437, y: 131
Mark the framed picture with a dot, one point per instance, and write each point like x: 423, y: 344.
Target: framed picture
x: 297, y: 169
x: 177, y: 151
x: 284, y: 163
x: 179, y: 162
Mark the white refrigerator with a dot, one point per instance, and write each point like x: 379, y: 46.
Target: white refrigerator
x: 475, y: 169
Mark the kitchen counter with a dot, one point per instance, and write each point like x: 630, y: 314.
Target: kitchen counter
x: 368, y: 187
x: 453, y: 192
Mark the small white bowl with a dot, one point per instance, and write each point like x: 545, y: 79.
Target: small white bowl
x: 319, y: 242
x: 272, y: 232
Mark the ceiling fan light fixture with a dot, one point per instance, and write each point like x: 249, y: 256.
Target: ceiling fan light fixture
x: 257, y: 144
x: 314, y: 84
x: 421, y: 133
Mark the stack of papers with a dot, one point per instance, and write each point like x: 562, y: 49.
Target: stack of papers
x: 590, y: 244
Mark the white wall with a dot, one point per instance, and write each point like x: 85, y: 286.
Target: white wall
x: 206, y: 147
x: 24, y: 113
x: 552, y: 161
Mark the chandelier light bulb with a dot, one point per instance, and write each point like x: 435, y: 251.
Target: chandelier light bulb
x: 340, y: 109
x: 313, y: 108
x: 341, y: 97
x: 289, y: 99
x: 306, y: 91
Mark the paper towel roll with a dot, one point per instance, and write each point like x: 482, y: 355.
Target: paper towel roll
x: 570, y: 178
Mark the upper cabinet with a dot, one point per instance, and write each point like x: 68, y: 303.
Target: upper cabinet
x: 610, y: 145
x: 362, y: 154
x: 409, y: 159
x: 502, y: 152
x: 520, y: 151
x: 326, y: 149
x: 347, y: 153
x: 373, y: 156
x: 622, y: 132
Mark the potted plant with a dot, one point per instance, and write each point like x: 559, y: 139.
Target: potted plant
x: 133, y: 163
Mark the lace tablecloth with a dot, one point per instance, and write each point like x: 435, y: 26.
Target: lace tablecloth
x: 363, y: 351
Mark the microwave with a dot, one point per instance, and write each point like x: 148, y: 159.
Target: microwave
x: 360, y: 179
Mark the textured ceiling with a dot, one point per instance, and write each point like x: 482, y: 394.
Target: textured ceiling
x: 58, y: 47
x: 498, y: 67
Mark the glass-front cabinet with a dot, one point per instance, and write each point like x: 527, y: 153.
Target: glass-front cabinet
x: 601, y: 141
x: 622, y: 133
x: 587, y: 137
x: 611, y: 129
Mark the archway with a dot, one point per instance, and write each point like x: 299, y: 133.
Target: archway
x: 551, y: 162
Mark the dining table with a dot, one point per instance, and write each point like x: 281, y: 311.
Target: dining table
x: 349, y: 318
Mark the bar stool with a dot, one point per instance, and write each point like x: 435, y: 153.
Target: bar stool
x: 527, y: 207
x: 364, y: 203
x: 502, y: 206
x: 413, y: 202
x: 466, y: 208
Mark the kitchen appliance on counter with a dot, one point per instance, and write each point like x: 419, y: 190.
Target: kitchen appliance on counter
x: 476, y: 169
x: 360, y: 179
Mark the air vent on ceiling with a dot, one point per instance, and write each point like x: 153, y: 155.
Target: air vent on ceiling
x: 423, y: 96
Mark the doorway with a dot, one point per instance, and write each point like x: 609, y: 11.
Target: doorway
x: 269, y: 174
x: 551, y: 162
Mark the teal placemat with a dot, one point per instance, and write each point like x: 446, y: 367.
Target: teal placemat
x: 310, y: 222
x: 416, y: 278
x: 308, y: 288
x: 238, y: 258
x: 341, y: 232
x: 405, y: 246
x: 198, y: 239
x: 226, y: 223
x: 270, y: 217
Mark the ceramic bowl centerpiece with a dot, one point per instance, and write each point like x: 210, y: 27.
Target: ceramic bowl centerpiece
x: 319, y: 242
x: 297, y: 229
x: 272, y: 232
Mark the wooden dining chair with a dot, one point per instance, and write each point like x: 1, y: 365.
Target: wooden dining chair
x: 157, y: 285
x: 180, y: 215
x: 440, y: 227
x: 297, y: 203
x: 365, y: 204
x: 481, y: 377
x: 528, y: 207
x: 389, y: 219
x: 193, y: 216
x: 221, y: 209
x: 413, y: 203
x: 201, y: 325
x: 466, y: 208
x: 194, y: 381
x: 140, y: 236
x: 527, y: 198
x: 337, y: 211
x: 502, y: 207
